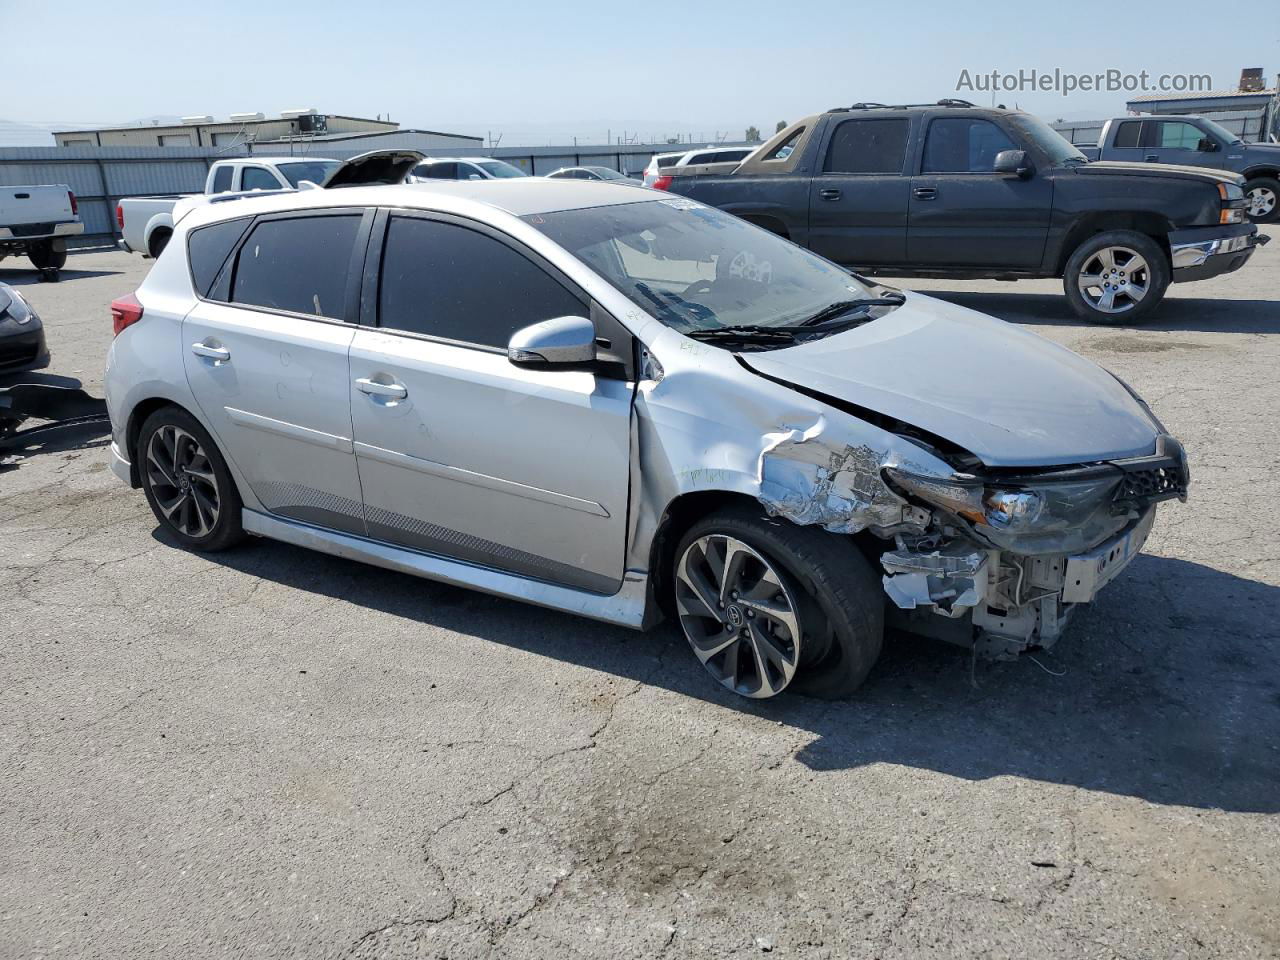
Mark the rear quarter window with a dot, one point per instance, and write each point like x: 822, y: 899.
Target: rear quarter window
x: 209, y: 247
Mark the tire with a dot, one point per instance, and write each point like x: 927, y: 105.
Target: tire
x: 43, y: 257
x: 1263, y: 194
x: 159, y: 240
x: 835, y: 601
x: 1105, y: 256
x: 180, y: 482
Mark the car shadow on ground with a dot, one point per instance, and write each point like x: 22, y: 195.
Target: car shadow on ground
x: 1185, y: 314
x: 19, y: 277
x: 1167, y: 690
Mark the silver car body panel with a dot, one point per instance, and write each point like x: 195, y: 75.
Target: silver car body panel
x: 553, y: 486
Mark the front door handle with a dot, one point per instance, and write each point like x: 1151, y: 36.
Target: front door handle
x: 925, y: 193
x: 210, y: 352
x: 830, y: 193
x: 375, y: 388
x: 1152, y: 158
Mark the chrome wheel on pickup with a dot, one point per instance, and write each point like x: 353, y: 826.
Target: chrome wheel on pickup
x: 1262, y: 195
x: 1116, y: 276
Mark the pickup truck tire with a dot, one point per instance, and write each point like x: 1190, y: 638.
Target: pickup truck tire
x: 44, y: 256
x: 159, y: 240
x: 1118, y: 276
x: 1263, y: 196
x: 818, y: 581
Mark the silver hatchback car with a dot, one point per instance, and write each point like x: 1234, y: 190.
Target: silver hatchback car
x: 625, y: 405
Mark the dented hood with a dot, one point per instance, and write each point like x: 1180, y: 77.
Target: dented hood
x: 1008, y: 396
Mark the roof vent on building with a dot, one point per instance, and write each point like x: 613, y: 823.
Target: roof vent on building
x: 198, y: 118
x: 299, y: 112
x: 246, y: 117
x: 1251, y: 80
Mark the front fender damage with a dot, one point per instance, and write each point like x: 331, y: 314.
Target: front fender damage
x: 808, y: 479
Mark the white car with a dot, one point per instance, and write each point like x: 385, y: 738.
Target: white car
x: 465, y: 168
x: 624, y: 404
x: 690, y: 157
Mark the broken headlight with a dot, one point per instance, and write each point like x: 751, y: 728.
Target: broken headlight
x: 1050, y: 515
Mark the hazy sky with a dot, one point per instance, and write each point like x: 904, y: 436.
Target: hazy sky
x: 542, y: 71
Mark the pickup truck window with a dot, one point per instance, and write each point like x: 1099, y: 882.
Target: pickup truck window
x: 221, y: 180
x: 317, y: 171
x: 1177, y: 135
x: 255, y: 178
x: 868, y: 146
x: 1127, y: 134
x: 299, y: 265
x: 963, y: 145
x: 698, y: 268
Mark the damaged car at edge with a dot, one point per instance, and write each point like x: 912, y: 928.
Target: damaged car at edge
x: 621, y: 406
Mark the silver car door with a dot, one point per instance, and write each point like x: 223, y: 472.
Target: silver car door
x: 465, y: 455
x: 266, y: 357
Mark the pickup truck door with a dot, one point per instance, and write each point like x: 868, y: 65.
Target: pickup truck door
x: 858, y: 195
x: 963, y: 213
x: 1177, y: 141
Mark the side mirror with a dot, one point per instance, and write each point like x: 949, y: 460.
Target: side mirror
x: 1012, y: 161
x: 474, y: 176
x: 562, y: 342
x: 1207, y: 145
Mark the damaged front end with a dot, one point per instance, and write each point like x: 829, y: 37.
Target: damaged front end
x: 1012, y: 554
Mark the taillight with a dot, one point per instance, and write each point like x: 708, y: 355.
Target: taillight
x: 662, y: 183
x: 125, y: 312
x: 120, y: 216
x: 75, y: 207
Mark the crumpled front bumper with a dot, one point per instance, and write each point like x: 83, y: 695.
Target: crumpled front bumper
x: 1012, y: 602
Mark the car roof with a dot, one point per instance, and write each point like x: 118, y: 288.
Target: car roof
x: 518, y: 197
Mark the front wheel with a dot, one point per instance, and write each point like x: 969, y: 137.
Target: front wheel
x: 1119, y: 276
x: 187, y: 482
x: 768, y: 605
x: 1263, y: 197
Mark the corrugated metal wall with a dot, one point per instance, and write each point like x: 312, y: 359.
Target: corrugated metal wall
x: 100, y: 176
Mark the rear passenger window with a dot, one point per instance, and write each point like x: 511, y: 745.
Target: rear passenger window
x: 207, y: 250
x: 868, y: 146
x: 1127, y: 133
x: 221, y: 180
x: 299, y: 265
x: 449, y: 281
x: 963, y: 145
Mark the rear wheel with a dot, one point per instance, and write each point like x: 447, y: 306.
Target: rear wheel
x: 45, y: 256
x: 187, y: 482
x: 767, y: 605
x: 159, y: 240
x: 1118, y: 276
x: 1263, y: 197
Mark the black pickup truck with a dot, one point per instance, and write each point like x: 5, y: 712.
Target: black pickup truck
x: 953, y: 190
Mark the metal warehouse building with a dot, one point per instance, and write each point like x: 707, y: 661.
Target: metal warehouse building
x: 243, y: 129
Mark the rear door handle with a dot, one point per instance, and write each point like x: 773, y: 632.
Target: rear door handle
x: 1152, y: 158
x: 830, y: 193
x: 375, y: 388
x: 925, y: 193
x: 209, y: 352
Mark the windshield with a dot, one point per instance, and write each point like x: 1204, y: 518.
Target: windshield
x: 698, y: 268
x: 317, y: 171
x: 1219, y: 131
x: 500, y: 169
x: 1053, y: 144
x: 604, y: 173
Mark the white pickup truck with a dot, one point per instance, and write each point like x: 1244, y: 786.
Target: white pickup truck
x: 146, y: 223
x: 36, y: 221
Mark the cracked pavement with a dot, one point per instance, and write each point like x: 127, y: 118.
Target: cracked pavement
x: 274, y: 753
